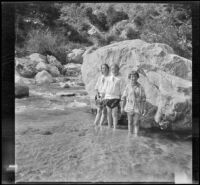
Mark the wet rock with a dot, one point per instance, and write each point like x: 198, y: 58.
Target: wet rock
x: 166, y: 78
x: 43, y: 77
x: 21, y: 91
x: 68, y: 94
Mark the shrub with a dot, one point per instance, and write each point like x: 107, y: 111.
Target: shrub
x: 114, y: 16
x: 46, y: 43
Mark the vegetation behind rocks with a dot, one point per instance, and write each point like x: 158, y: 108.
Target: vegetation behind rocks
x: 57, y: 28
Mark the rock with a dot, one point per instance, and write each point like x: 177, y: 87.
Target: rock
x: 23, y: 81
x: 72, y: 69
x: 93, y: 30
x: 68, y: 94
x: 41, y: 66
x: 43, y: 77
x: 166, y: 78
x: 53, y: 70
x: 80, y: 84
x: 25, y: 67
x: 76, y: 56
x: 21, y: 91
x: 64, y: 85
x: 54, y: 62
x: 36, y: 57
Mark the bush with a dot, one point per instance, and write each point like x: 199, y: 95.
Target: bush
x: 114, y: 16
x: 46, y: 43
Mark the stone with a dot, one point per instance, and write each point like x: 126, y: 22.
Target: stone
x: 166, y: 78
x: 53, y: 70
x: 76, y: 56
x: 68, y: 94
x: 43, y: 77
x: 72, y: 69
x: 64, y: 85
x: 54, y: 62
x: 41, y: 66
x: 36, y: 57
x: 25, y: 67
x: 23, y: 81
x: 21, y: 91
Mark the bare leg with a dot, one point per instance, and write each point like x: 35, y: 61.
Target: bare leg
x: 130, y: 123
x: 136, y: 123
x: 98, y: 116
x: 103, y: 116
x: 109, y: 116
x: 115, y: 117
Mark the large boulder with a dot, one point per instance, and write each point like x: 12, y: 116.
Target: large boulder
x: 166, y: 78
x: 43, y: 77
x: 25, y: 67
x: 21, y: 91
x: 72, y: 69
x: 76, y: 56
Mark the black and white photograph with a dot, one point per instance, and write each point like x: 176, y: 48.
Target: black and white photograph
x: 103, y: 92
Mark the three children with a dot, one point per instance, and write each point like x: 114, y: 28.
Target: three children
x: 133, y: 99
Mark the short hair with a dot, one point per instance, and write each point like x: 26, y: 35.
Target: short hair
x: 116, y: 65
x: 133, y: 73
x: 107, y: 66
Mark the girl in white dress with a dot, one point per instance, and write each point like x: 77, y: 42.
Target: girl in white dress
x: 133, y: 100
x: 101, y: 109
x: 113, y: 90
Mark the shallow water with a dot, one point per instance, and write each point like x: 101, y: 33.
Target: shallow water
x: 57, y: 142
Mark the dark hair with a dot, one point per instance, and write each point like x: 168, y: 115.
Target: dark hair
x: 133, y: 73
x: 107, y: 66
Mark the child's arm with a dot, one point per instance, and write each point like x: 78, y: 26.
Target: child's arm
x: 123, y: 100
x: 123, y: 103
x: 143, y: 101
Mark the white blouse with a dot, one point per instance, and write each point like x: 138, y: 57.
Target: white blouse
x: 113, y: 87
x: 100, y: 83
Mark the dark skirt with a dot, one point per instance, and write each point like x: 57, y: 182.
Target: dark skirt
x: 112, y: 103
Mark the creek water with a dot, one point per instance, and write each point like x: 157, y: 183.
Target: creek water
x: 55, y: 141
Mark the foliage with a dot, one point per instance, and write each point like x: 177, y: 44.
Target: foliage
x: 46, y: 43
x: 68, y: 25
x: 114, y: 16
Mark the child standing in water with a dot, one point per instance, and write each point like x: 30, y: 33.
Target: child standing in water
x: 133, y: 101
x: 112, y: 95
x: 101, y: 109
